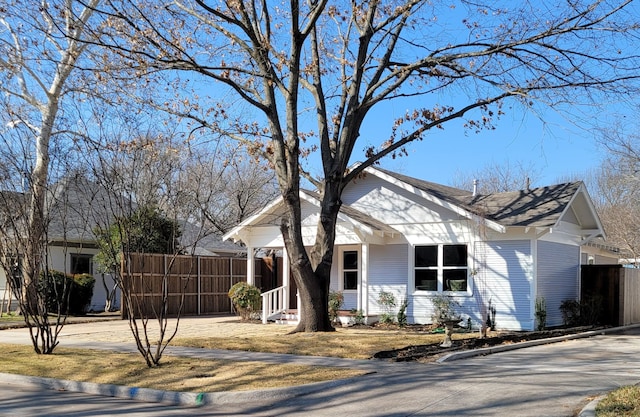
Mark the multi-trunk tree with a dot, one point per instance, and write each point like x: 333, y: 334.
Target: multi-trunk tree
x: 41, y: 48
x: 296, y: 79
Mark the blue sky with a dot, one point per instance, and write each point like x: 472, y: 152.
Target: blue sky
x: 556, y: 148
x: 555, y: 151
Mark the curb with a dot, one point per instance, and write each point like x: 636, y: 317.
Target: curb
x: 589, y: 410
x: 503, y: 348
x: 188, y: 399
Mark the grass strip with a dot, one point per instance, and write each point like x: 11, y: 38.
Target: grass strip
x: 174, y: 374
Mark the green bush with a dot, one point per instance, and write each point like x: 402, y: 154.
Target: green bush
x: 81, y: 294
x: 388, y: 303
x: 444, y: 309
x: 541, y: 313
x: 402, y: 313
x: 336, y: 300
x: 66, y: 294
x: 245, y: 299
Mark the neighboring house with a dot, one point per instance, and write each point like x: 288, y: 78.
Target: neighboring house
x: 417, y: 239
x: 76, y: 207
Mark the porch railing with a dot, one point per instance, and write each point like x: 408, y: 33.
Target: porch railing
x: 274, y: 303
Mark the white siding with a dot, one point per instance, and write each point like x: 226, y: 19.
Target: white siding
x: 391, y: 204
x: 387, y: 272
x: 505, y: 276
x: 557, y: 277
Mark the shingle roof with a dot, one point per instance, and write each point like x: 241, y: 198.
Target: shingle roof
x: 538, y: 207
x: 443, y: 192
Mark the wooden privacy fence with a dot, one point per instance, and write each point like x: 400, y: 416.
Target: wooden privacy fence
x: 203, y: 281
x: 620, y: 291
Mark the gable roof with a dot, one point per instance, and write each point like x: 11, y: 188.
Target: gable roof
x: 542, y: 207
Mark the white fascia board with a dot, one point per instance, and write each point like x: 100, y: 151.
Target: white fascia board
x: 583, y: 190
x: 431, y: 198
x: 235, y: 233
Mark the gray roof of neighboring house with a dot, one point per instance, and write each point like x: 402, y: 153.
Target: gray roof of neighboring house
x: 205, y: 242
x: 76, y: 206
x: 537, y: 207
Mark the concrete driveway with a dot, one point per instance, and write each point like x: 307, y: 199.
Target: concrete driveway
x: 548, y: 380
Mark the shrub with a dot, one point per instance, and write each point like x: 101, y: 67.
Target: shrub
x: 585, y: 312
x: 388, y: 301
x: 402, y: 313
x: 245, y: 299
x: 66, y: 294
x: 541, y: 313
x: 54, y: 288
x: 336, y: 300
x: 81, y: 294
x: 358, y: 317
x: 444, y: 309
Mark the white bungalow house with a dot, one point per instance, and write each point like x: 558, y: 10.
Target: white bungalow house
x: 418, y: 239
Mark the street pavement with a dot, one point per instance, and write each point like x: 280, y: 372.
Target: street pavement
x: 548, y: 380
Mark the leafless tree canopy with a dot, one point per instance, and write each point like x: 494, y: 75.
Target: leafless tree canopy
x: 497, y: 178
x: 617, y: 192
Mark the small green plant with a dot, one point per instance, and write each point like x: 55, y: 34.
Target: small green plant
x: 358, y: 316
x: 491, y: 316
x: 402, y: 313
x: 388, y: 302
x: 444, y: 309
x: 541, y: 313
x: 336, y: 300
x: 245, y: 299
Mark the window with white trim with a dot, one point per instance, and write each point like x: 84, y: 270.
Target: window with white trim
x: 81, y: 264
x: 441, y: 268
x: 350, y: 270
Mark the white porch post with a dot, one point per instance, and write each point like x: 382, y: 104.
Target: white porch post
x: 285, y: 277
x: 363, y: 303
x: 251, y: 276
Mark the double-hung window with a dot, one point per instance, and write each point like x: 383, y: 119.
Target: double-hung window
x: 441, y: 268
x: 349, y: 265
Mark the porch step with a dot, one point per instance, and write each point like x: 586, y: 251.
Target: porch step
x: 290, y: 317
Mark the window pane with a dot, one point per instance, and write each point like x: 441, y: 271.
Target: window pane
x: 81, y: 264
x: 454, y: 255
x: 350, y: 280
x: 455, y: 279
x: 426, y: 256
x: 350, y: 260
x: 426, y: 280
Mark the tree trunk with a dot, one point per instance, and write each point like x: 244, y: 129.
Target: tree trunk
x: 312, y: 271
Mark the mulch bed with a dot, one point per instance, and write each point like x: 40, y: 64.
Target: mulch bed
x: 427, y: 353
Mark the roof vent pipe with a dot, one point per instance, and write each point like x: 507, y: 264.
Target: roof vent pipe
x: 528, y: 184
x: 475, y: 187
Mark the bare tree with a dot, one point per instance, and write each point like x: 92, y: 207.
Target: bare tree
x: 40, y: 48
x: 497, y: 178
x: 616, y: 187
x: 227, y: 188
x: 310, y: 73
